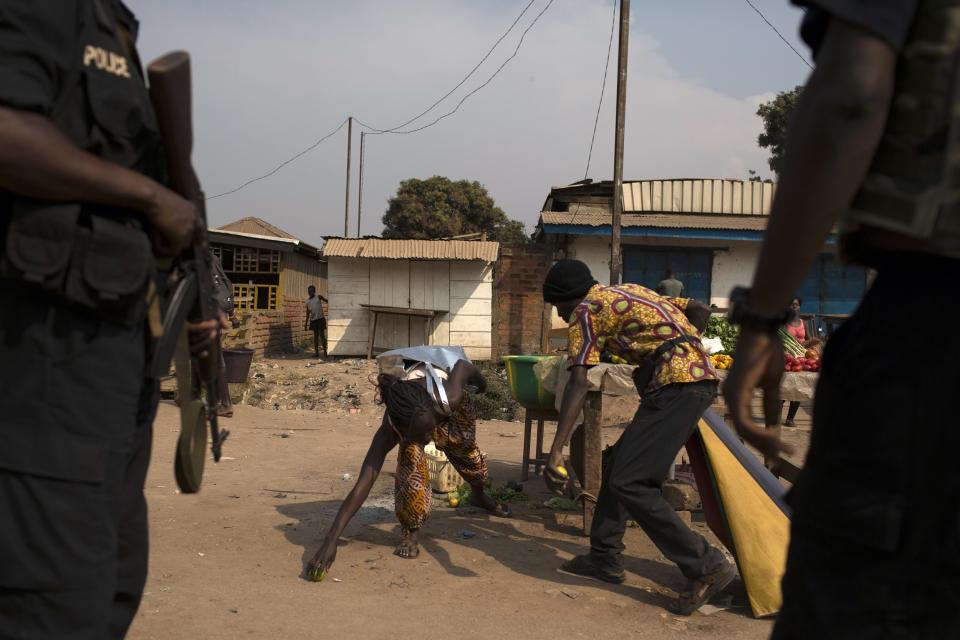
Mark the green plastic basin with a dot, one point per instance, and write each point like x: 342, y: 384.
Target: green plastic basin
x: 524, y: 386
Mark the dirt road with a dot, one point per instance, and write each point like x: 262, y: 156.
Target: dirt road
x: 227, y: 563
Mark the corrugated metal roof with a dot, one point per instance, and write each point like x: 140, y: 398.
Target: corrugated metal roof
x: 693, y: 195
x: 731, y: 197
x: 258, y: 227
x: 258, y: 240
x: 411, y: 249
x: 666, y: 221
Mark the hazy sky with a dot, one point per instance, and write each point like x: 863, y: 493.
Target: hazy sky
x: 271, y: 78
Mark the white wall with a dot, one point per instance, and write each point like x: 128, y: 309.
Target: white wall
x: 733, y: 268
x: 733, y: 262
x: 348, y: 284
x: 463, y: 287
x: 471, y: 307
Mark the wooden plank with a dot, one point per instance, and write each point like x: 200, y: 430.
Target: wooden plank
x: 470, y: 289
x: 349, y: 301
x: 471, y: 307
x: 478, y: 353
x: 390, y: 287
x: 471, y: 270
x: 592, y: 455
x: 393, y: 331
x: 441, y: 330
x: 349, y: 318
x: 347, y: 333
x: 390, y: 283
x: 471, y: 338
x: 479, y: 324
x: 348, y: 268
x: 373, y: 334
x: 350, y: 286
x: 348, y: 348
x: 397, y: 311
x: 430, y: 284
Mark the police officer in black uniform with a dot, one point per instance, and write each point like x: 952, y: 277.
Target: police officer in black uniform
x: 81, y: 202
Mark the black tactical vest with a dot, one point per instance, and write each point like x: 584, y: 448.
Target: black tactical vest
x: 94, y: 256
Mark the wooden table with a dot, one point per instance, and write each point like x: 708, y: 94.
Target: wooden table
x: 377, y: 311
x: 586, y: 444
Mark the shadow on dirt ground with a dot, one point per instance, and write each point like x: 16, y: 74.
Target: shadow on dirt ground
x: 534, y: 542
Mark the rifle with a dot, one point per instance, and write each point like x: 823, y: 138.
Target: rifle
x: 191, y: 282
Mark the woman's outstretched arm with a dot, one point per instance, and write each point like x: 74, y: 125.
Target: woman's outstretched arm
x: 384, y: 440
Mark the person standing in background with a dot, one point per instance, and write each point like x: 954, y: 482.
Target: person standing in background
x: 316, y: 322
x: 670, y: 287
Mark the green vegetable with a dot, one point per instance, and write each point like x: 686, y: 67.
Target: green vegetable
x: 790, y: 344
x: 317, y: 575
x: 720, y: 327
x: 503, y: 493
x: 560, y: 503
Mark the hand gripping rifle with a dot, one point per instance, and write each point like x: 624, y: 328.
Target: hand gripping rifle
x: 191, y: 282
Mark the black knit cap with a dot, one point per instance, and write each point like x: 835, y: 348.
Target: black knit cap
x: 567, y: 280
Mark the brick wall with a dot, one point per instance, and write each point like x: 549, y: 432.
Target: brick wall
x: 280, y: 331
x: 521, y: 320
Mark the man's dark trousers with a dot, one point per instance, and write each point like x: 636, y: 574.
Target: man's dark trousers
x: 875, y: 535
x: 75, y: 437
x: 635, y: 474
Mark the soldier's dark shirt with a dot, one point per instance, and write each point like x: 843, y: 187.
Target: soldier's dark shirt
x: 889, y: 20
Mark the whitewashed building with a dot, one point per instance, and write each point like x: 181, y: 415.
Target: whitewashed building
x: 412, y: 292
x: 708, y: 231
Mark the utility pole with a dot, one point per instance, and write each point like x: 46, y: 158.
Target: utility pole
x: 346, y: 202
x: 616, y: 257
x: 363, y: 135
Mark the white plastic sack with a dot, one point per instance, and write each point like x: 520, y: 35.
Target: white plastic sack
x: 398, y: 361
x: 712, y: 345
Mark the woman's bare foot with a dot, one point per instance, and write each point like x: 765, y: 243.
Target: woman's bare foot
x: 409, y: 547
x: 479, y: 498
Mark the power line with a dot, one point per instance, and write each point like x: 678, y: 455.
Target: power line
x: 787, y: 42
x: 461, y: 83
x: 603, y: 88
x: 282, y: 164
x: 375, y: 132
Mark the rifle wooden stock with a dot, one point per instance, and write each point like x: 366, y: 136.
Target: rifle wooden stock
x: 172, y: 100
x: 170, y: 93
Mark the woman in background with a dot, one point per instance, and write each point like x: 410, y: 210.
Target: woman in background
x: 796, y: 328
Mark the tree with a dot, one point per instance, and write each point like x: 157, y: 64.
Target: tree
x: 441, y: 208
x: 776, y: 116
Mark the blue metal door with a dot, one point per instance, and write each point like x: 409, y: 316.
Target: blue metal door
x: 831, y: 287
x: 693, y: 267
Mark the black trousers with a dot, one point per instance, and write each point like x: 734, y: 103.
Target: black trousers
x: 875, y: 536
x: 634, y: 477
x: 791, y: 410
x: 75, y: 437
x: 319, y: 328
